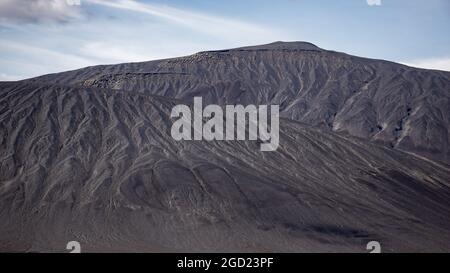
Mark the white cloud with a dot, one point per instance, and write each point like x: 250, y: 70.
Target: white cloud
x: 374, y: 2
x: 215, y: 26
x: 34, y: 61
x: 431, y: 63
x: 115, y: 52
x: 46, y: 55
x: 31, y: 11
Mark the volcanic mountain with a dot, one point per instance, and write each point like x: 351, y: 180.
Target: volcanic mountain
x: 364, y: 155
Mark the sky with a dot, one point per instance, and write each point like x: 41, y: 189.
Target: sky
x: 45, y: 36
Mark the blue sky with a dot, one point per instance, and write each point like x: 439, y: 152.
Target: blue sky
x: 46, y: 36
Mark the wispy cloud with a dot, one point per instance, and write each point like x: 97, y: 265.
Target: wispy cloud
x: 431, y: 63
x: 215, y: 26
x: 100, y: 31
x: 45, y: 54
x: 112, y: 53
x: 29, y: 60
x: 33, y: 11
x: 374, y: 2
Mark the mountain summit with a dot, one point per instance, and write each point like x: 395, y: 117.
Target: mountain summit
x: 282, y: 46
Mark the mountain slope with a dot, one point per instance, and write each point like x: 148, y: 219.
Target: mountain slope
x: 402, y: 107
x: 99, y: 166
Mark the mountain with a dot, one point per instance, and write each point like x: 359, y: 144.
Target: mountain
x: 402, y: 107
x: 87, y: 155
